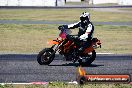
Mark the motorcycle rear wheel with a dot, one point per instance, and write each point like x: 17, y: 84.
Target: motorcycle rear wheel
x: 89, y: 61
x: 44, y: 57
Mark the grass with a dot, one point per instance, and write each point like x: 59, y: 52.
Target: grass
x: 87, y: 4
x: 107, y: 4
x: 65, y: 85
x: 25, y: 38
x: 126, y: 9
x: 115, y: 39
x: 32, y: 38
x: 75, y: 3
x: 62, y: 15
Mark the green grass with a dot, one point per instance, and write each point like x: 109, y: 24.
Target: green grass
x: 32, y: 38
x: 62, y: 15
x: 65, y: 85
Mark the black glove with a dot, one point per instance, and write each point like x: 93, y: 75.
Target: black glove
x: 63, y: 27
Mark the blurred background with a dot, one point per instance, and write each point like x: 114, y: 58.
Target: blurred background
x: 61, y: 2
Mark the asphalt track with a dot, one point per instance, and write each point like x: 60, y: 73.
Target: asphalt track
x: 19, y: 68
x: 62, y: 22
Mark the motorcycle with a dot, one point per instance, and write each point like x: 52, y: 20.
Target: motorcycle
x: 68, y: 49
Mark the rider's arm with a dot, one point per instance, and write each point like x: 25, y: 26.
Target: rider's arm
x: 88, y: 31
x: 70, y: 26
x: 74, y: 25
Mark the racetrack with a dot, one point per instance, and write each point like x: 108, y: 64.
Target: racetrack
x: 24, y: 68
x: 61, y: 22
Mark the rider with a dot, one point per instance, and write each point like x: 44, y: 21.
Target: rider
x: 85, y: 33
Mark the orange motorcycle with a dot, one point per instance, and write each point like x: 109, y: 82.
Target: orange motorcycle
x: 69, y: 50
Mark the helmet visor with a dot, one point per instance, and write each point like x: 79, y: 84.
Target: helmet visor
x: 82, y: 18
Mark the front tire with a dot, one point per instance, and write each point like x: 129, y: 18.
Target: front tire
x: 44, y: 57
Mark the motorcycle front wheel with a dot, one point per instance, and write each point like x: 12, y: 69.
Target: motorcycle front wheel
x: 45, y: 57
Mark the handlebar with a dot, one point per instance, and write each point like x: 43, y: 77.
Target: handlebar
x: 64, y: 31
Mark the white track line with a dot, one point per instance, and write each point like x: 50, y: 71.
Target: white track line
x: 104, y: 53
x: 43, y: 83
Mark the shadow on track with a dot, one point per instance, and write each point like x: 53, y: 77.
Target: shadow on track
x: 76, y: 65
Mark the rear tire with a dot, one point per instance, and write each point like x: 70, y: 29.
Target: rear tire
x: 43, y: 56
x: 89, y: 61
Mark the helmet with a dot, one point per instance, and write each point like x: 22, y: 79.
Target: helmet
x: 85, y: 16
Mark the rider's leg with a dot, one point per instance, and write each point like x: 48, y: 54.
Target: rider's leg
x: 84, y: 45
x: 68, y: 37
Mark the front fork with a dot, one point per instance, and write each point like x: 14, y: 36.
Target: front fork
x: 55, y: 48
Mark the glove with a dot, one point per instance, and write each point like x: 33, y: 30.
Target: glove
x: 63, y: 27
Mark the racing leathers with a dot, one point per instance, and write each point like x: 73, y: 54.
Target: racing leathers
x: 85, y: 33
